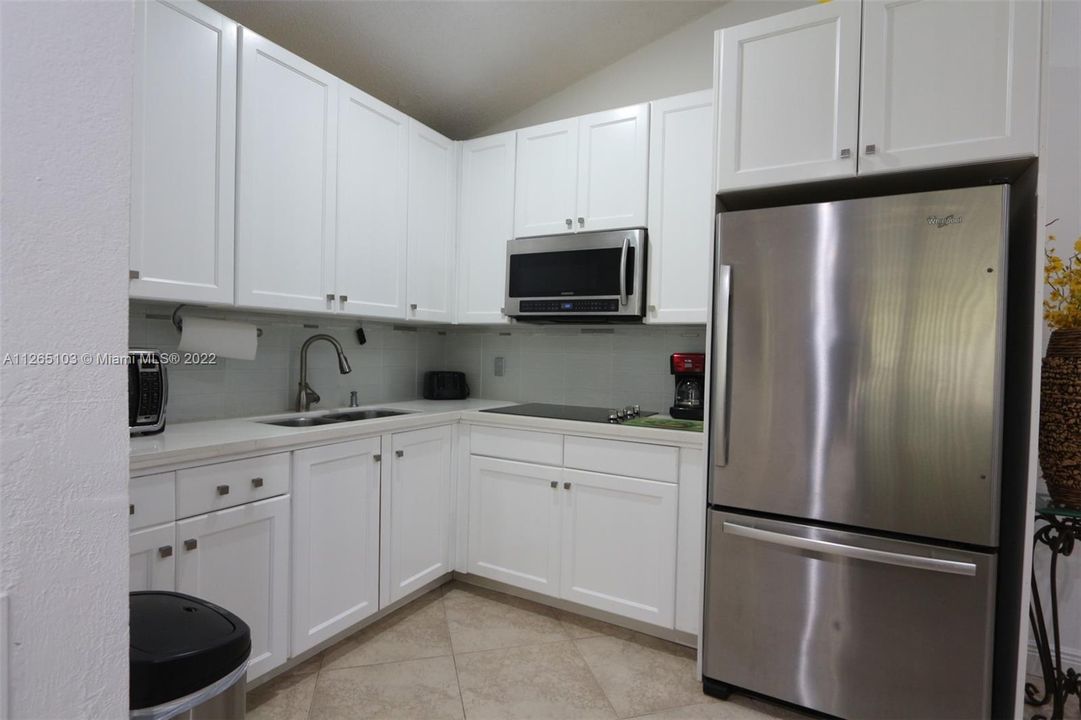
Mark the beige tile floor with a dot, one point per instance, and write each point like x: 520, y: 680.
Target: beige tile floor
x: 464, y: 652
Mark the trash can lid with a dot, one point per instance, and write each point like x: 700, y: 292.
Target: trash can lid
x: 179, y: 645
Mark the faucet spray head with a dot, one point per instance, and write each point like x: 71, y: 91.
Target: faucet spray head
x: 343, y: 364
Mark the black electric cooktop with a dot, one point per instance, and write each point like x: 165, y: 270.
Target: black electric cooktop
x: 567, y: 412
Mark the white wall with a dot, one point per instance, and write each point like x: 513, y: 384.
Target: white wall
x: 679, y: 62
x: 1063, y: 165
x: 65, y: 141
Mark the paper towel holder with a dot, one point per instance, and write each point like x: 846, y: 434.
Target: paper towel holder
x: 178, y: 322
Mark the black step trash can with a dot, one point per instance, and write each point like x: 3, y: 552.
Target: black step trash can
x: 186, y: 654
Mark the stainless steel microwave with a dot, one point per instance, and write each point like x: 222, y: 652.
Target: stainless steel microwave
x: 584, y: 277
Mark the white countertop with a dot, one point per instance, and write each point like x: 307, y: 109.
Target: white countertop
x: 192, y: 442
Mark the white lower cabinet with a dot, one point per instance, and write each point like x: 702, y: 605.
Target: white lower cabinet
x: 151, y: 558
x: 335, y: 539
x: 619, y: 545
x: 514, y: 517
x: 239, y: 558
x: 604, y: 541
x: 417, y: 511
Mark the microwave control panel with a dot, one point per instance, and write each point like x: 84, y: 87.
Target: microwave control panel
x: 591, y: 305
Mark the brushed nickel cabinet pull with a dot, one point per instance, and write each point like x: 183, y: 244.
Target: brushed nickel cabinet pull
x: 344, y: 298
x: 131, y: 509
x: 165, y: 551
x: 133, y: 274
x: 870, y: 149
x: 223, y: 489
x: 566, y: 486
x: 581, y: 222
x: 570, y: 223
x: 555, y: 484
x: 377, y: 457
x: 399, y: 453
x: 190, y: 544
x: 413, y: 306
x: 330, y: 297
x: 846, y: 153
x: 257, y: 482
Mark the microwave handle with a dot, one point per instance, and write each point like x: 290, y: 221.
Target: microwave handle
x: 623, y: 271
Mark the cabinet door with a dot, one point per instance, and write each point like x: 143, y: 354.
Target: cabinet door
x: 613, y: 160
x: 183, y: 175
x: 680, y: 208
x: 417, y: 532
x: 373, y: 166
x: 946, y: 83
x: 335, y: 539
x: 514, y: 523
x: 486, y: 223
x: 619, y: 545
x: 151, y: 562
x: 788, y: 97
x: 239, y: 559
x: 433, y: 198
x: 285, y: 183
x: 546, y: 178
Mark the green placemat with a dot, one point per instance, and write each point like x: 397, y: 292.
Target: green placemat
x: 666, y: 423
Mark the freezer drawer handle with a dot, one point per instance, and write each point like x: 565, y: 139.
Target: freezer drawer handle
x: 954, y: 567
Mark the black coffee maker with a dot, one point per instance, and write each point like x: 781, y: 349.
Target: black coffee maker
x: 690, y: 372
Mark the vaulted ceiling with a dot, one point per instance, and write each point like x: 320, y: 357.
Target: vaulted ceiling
x: 462, y: 66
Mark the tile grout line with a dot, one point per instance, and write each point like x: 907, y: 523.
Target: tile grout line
x: 453, y: 658
x: 596, y: 680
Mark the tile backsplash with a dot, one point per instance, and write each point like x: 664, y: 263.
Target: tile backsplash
x: 604, y: 365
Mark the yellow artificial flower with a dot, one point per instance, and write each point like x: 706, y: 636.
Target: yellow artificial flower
x: 1062, y: 306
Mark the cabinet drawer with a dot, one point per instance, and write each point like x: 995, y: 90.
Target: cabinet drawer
x: 617, y: 457
x: 151, y: 500
x: 522, y: 445
x: 213, y: 487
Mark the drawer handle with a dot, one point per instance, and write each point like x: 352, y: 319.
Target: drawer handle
x: 846, y: 153
x: 566, y: 486
x: 223, y: 489
x: 377, y: 457
x: 165, y: 551
x: 870, y: 149
x: 399, y: 453
x: 256, y: 483
x: 581, y: 222
x: 554, y: 484
x: 131, y: 509
x: 190, y: 544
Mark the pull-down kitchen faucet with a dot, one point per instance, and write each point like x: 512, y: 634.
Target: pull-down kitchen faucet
x: 305, y: 395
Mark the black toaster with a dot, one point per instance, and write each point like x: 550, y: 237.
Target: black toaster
x: 445, y: 385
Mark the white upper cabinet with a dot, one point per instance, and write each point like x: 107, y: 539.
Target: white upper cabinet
x: 485, y: 224
x: 788, y: 97
x: 680, y: 208
x: 183, y: 154
x: 948, y: 82
x: 335, y: 539
x: 286, y: 176
x: 546, y: 179
x: 433, y: 198
x: 585, y: 173
x: 613, y: 159
x: 373, y: 166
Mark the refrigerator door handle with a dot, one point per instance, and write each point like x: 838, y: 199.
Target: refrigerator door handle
x: 720, y: 359
x: 826, y: 547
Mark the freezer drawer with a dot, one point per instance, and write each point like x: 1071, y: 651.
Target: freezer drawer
x: 848, y: 624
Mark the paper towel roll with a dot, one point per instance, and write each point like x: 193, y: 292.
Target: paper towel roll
x: 225, y: 338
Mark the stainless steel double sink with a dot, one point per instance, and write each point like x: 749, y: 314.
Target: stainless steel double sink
x: 334, y: 418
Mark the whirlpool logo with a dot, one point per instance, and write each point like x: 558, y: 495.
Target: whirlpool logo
x: 941, y: 222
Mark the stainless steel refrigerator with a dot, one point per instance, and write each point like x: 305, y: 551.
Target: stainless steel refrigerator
x: 854, y: 485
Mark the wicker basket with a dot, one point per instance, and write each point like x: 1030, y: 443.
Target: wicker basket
x: 1060, y: 418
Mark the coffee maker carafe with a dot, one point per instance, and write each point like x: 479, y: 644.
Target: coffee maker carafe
x: 690, y: 372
